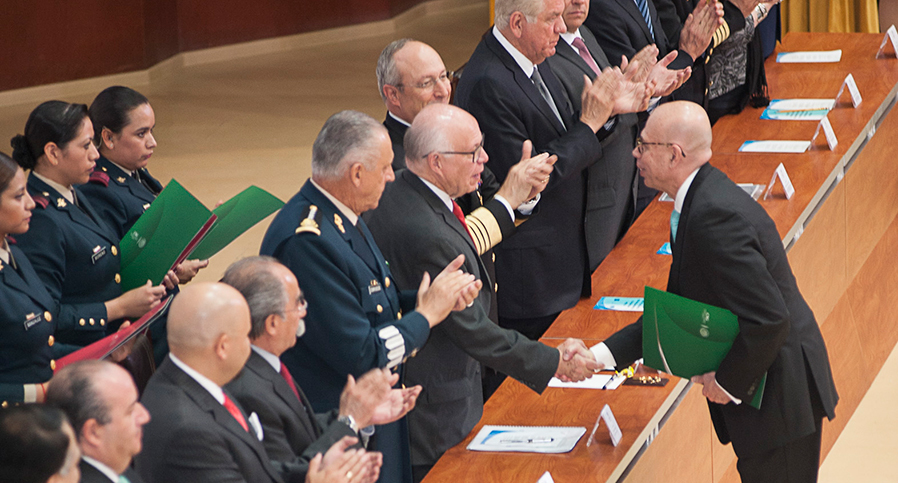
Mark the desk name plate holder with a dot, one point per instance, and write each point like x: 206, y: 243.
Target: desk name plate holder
x: 891, y: 34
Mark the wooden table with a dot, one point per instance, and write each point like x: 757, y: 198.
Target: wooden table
x: 839, y: 230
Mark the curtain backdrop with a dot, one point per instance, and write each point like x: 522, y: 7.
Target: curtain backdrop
x: 830, y: 16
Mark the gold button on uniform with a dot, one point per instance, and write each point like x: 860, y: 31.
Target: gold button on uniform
x: 4, y: 405
x: 102, y: 321
x: 91, y: 321
x: 53, y: 364
x: 380, y: 308
x: 48, y: 316
x: 51, y: 341
x: 494, y: 258
x: 118, y: 278
x: 399, y: 315
x: 114, y: 250
x: 81, y: 322
x: 496, y: 287
x: 387, y: 282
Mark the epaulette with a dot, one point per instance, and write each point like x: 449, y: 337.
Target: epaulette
x: 309, y: 224
x: 41, y: 201
x: 99, y: 177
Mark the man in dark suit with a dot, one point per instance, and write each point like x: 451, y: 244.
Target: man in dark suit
x: 728, y: 253
x: 294, y: 434
x: 100, y: 400
x: 543, y: 269
x: 198, y: 433
x: 611, y: 183
x: 357, y: 319
x: 419, y: 228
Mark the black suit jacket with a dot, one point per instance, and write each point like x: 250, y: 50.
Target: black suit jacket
x: 612, y: 182
x: 293, y: 433
x: 417, y: 232
x: 191, y: 437
x: 621, y: 30
x: 728, y: 253
x: 543, y: 268
x: 90, y: 474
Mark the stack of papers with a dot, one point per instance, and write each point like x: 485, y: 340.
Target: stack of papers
x: 798, y: 109
x: 811, y: 57
x: 527, y: 439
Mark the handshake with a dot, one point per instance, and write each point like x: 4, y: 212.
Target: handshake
x: 576, y: 362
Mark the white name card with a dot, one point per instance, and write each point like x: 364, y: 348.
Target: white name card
x: 614, y: 431
x: 828, y: 133
x: 891, y: 34
x: 545, y: 478
x: 780, y: 173
x: 809, y: 57
x: 852, y: 89
x: 793, y: 147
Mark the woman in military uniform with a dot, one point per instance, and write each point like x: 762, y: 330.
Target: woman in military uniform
x: 27, y: 321
x: 72, y: 250
x: 121, y: 188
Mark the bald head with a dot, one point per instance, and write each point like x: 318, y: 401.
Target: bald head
x: 675, y: 142
x: 443, y: 146
x: 208, y: 329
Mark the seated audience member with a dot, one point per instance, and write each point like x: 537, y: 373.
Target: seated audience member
x: 27, y: 321
x: 293, y: 433
x: 74, y: 253
x: 198, y: 433
x: 416, y: 229
x: 100, y: 399
x: 121, y: 188
x: 357, y: 319
x: 38, y: 446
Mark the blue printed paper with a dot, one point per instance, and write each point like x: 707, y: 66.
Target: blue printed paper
x: 665, y: 249
x: 623, y: 304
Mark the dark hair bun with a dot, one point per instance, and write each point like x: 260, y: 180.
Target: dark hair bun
x: 21, y: 153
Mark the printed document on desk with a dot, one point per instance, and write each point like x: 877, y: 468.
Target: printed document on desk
x: 798, y: 109
x: 809, y: 57
x: 526, y: 439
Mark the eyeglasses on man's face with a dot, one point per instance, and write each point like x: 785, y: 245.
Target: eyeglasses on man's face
x: 475, y: 154
x: 430, y: 82
x: 641, y: 145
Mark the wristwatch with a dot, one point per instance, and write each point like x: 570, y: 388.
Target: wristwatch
x: 349, y: 421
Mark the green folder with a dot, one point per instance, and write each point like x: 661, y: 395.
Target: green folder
x: 688, y: 338
x: 177, y: 225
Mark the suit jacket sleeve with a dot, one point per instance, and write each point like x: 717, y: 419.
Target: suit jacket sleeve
x: 737, y: 268
x: 491, y: 104
x: 343, y: 335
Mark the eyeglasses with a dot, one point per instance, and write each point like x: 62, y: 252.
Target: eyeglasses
x: 429, y: 82
x: 302, y: 305
x: 641, y: 145
x: 475, y: 154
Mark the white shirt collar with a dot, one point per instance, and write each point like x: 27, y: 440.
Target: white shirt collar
x: 269, y: 358
x: 570, y: 36
x: 4, y: 251
x: 202, y: 380
x: 442, y: 195
x: 684, y: 188
x: 523, y: 62
x: 396, y: 118
x: 347, y: 212
x: 101, y: 468
x: 127, y: 171
x: 64, y: 191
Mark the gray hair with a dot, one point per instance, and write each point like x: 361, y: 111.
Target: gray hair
x: 422, y: 139
x: 387, y: 72
x: 344, y: 133
x: 74, y: 392
x: 504, y: 8
x: 264, y: 292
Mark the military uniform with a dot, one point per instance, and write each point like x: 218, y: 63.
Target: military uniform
x: 118, y: 197
x: 77, y: 257
x: 356, y: 321
x: 27, y: 324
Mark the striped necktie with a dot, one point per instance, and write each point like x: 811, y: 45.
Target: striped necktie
x: 674, y: 224
x: 643, y: 6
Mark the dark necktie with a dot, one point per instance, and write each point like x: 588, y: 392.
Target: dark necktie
x: 674, y: 224
x: 235, y: 411
x: 544, y: 91
x: 360, y: 246
x: 290, y: 382
x: 456, y: 210
x: 584, y: 53
x: 643, y: 6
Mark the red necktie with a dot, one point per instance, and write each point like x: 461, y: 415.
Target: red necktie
x: 235, y: 411
x: 584, y: 53
x: 289, y: 378
x: 456, y: 210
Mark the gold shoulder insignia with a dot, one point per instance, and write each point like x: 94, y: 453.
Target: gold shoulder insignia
x: 309, y: 224
x: 60, y: 203
x: 120, y: 179
x: 339, y: 222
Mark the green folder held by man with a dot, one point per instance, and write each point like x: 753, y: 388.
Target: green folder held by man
x: 686, y: 338
x: 177, y: 226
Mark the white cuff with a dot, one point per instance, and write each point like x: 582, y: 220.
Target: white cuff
x: 734, y: 399
x: 507, y: 205
x: 603, y: 355
x: 527, y: 207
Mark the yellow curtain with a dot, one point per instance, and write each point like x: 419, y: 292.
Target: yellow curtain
x: 830, y: 16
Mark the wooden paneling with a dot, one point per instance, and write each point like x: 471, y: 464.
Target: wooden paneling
x: 51, y: 41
